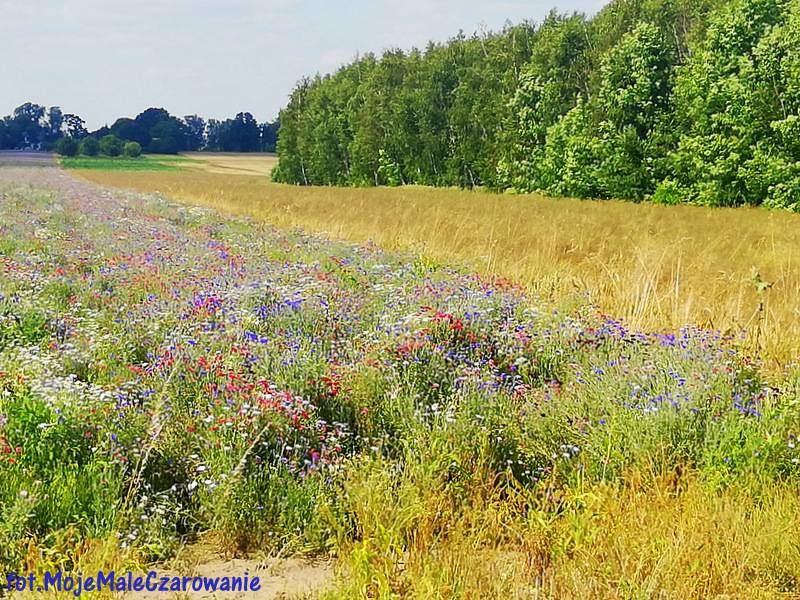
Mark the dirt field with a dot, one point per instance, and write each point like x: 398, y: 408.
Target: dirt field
x: 20, y: 158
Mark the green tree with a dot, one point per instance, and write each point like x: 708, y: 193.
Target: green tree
x: 132, y: 149
x: 74, y: 126
x: 110, y: 145
x: 268, y: 136
x: 388, y: 170
x: 66, y: 147
x: 548, y: 88
x: 730, y: 101
x: 572, y: 156
x: 291, y: 168
x: 241, y: 134
x: 28, y: 125
x: 149, y: 118
x: 55, y: 121
x: 195, y: 132
x: 89, y: 146
x: 634, y: 110
x: 131, y: 130
x: 671, y: 100
x: 167, y: 136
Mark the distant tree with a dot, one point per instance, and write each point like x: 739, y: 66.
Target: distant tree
x: 89, y: 146
x: 214, y: 130
x: 30, y: 112
x: 269, y: 136
x: 241, y: 134
x: 66, y: 146
x: 151, y: 117
x: 101, y: 132
x: 154, y: 129
x: 132, y: 149
x: 110, y: 145
x: 28, y: 125
x: 195, y: 132
x: 131, y: 130
x: 74, y: 126
x: 168, y: 137
x: 55, y: 121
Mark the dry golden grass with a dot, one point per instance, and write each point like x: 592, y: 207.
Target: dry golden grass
x: 232, y: 163
x: 641, y: 539
x: 657, y: 267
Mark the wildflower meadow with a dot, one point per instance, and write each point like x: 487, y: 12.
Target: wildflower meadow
x: 169, y: 374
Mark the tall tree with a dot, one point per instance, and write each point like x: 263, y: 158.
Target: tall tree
x: 150, y: 117
x: 168, y: 136
x: 195, y: 132
x: 131, y: 130
x: 74, y: 126
x: 735, y: 99
x: 55, y: 120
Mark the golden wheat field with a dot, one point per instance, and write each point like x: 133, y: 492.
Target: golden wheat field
x: 231, y: 163
x: 657, y: 267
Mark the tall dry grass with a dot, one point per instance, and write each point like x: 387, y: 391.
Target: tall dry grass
x: 644, y: 539
x: 657, y: 267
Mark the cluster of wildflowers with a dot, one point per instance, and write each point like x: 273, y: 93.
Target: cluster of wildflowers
x: 183, y: 365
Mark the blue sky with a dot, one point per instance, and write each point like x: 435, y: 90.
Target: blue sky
x: 107, y: 58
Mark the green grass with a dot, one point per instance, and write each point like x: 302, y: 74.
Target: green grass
x: 155, y: 162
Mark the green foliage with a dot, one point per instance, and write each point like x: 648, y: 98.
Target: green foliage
x: 132, y: 130
x: 141, y: 163
x: 572, y: 156
x: 89, y: 147
x: 167, y: 136
x: 388, y: 170
x: 240, y: 134
x: 737, y: 99
x: 110, y: 145
x: 57, y: 481
x: 548, y: 89
x: 30, y: 127
x: 132, y: 149
x: 667, y: 192
x: 34, y: 127
x: 436, y: 113
x: 669, y: 100
x: 25, y: 327
x: 66, y: 147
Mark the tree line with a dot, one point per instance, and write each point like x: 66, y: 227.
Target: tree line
x: 154, y: 130
x: 663, y: 100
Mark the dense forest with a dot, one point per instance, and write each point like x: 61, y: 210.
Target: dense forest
x: 153, y: 130
x: 666, y: 100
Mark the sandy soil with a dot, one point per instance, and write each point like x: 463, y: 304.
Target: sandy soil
x: 287, y: 579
